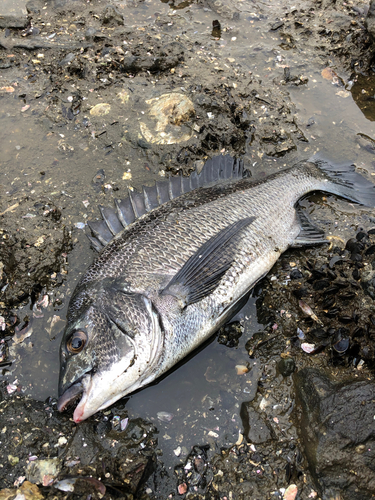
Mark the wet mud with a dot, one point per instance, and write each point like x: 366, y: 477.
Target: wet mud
x: 98, y: 98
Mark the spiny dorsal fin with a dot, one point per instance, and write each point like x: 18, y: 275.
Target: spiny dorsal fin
x: 218, y: 168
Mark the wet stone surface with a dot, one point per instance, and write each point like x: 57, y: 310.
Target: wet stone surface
x: 337, y: 429
x: 13, y: 14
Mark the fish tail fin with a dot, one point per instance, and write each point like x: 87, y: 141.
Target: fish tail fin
x: 345, y: 181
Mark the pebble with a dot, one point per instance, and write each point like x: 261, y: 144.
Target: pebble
x: 241, y: 369
x: 182, y: 489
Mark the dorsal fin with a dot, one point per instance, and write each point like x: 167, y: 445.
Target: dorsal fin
x: 218, y: 168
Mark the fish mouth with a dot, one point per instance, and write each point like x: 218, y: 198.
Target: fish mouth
x: 76, y: 392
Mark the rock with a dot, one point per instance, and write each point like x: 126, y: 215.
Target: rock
x: 286, y: 366
x: 368, y: 283
x: 90, y: 33
x: 13, y: 14
x: 112, y: 16
x: 337, y: 419
x: 370, y: 19
x: 255, y: 427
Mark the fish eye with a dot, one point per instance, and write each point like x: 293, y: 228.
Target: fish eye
x: 76, y: 342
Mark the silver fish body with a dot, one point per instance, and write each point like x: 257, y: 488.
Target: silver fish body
x: 168, y: 280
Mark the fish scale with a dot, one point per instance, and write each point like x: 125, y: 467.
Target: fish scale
x: 168, y: 280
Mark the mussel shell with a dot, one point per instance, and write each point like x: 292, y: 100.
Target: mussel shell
x: 353, y: 245
x: 345, y: 318
x: 341, y: 284
x: 358, y: 332
x: 319, y: 333
x: 335, y: 260
x: 295, y: 274
x: 356, y: 257
x: 328, y: 302
x: 361, y: 235
x: 347, y: 295
x: 321, y: 284
x: 356, y: 274
x: 370, y: 250
x: 332, y: 290
x: 341, y: 346
x: 332, y: 313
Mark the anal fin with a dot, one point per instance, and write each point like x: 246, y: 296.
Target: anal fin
x: 309, y: 234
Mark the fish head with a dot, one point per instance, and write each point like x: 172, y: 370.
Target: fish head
x: 109, y: 350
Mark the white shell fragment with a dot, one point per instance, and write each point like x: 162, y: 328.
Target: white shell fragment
x: 66, y: 484
x: 124, y: 423
x: 164, y: 416
x: 309, y: 348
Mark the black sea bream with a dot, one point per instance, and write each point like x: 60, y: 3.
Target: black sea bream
x: 176, y: 262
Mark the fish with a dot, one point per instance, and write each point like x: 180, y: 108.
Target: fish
x: 174, y: 263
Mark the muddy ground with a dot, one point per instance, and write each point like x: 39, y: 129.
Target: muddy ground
x: 86, y: 91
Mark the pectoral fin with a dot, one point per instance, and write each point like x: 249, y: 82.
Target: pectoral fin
x: 309, y: 234
x: 203, y: 271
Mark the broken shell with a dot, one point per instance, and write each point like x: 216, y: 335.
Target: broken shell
x: 170, y: 112
x: 241, y: 369
x: 307, y: 310
x: 124, y: 423
x: 309, y: 348
x: 164, y: 416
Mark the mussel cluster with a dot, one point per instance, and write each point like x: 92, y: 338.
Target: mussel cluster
x: 335, y: 302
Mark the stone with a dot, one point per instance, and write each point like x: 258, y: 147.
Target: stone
x: 286, y: 366
x: 337, y: 428
x: 13, y: 14
x: 370, y: 19
x: 112, y: 16
x: 255, y: 427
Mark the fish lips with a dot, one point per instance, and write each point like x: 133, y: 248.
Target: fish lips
x: 69, y: 396
x: 76, y: 391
